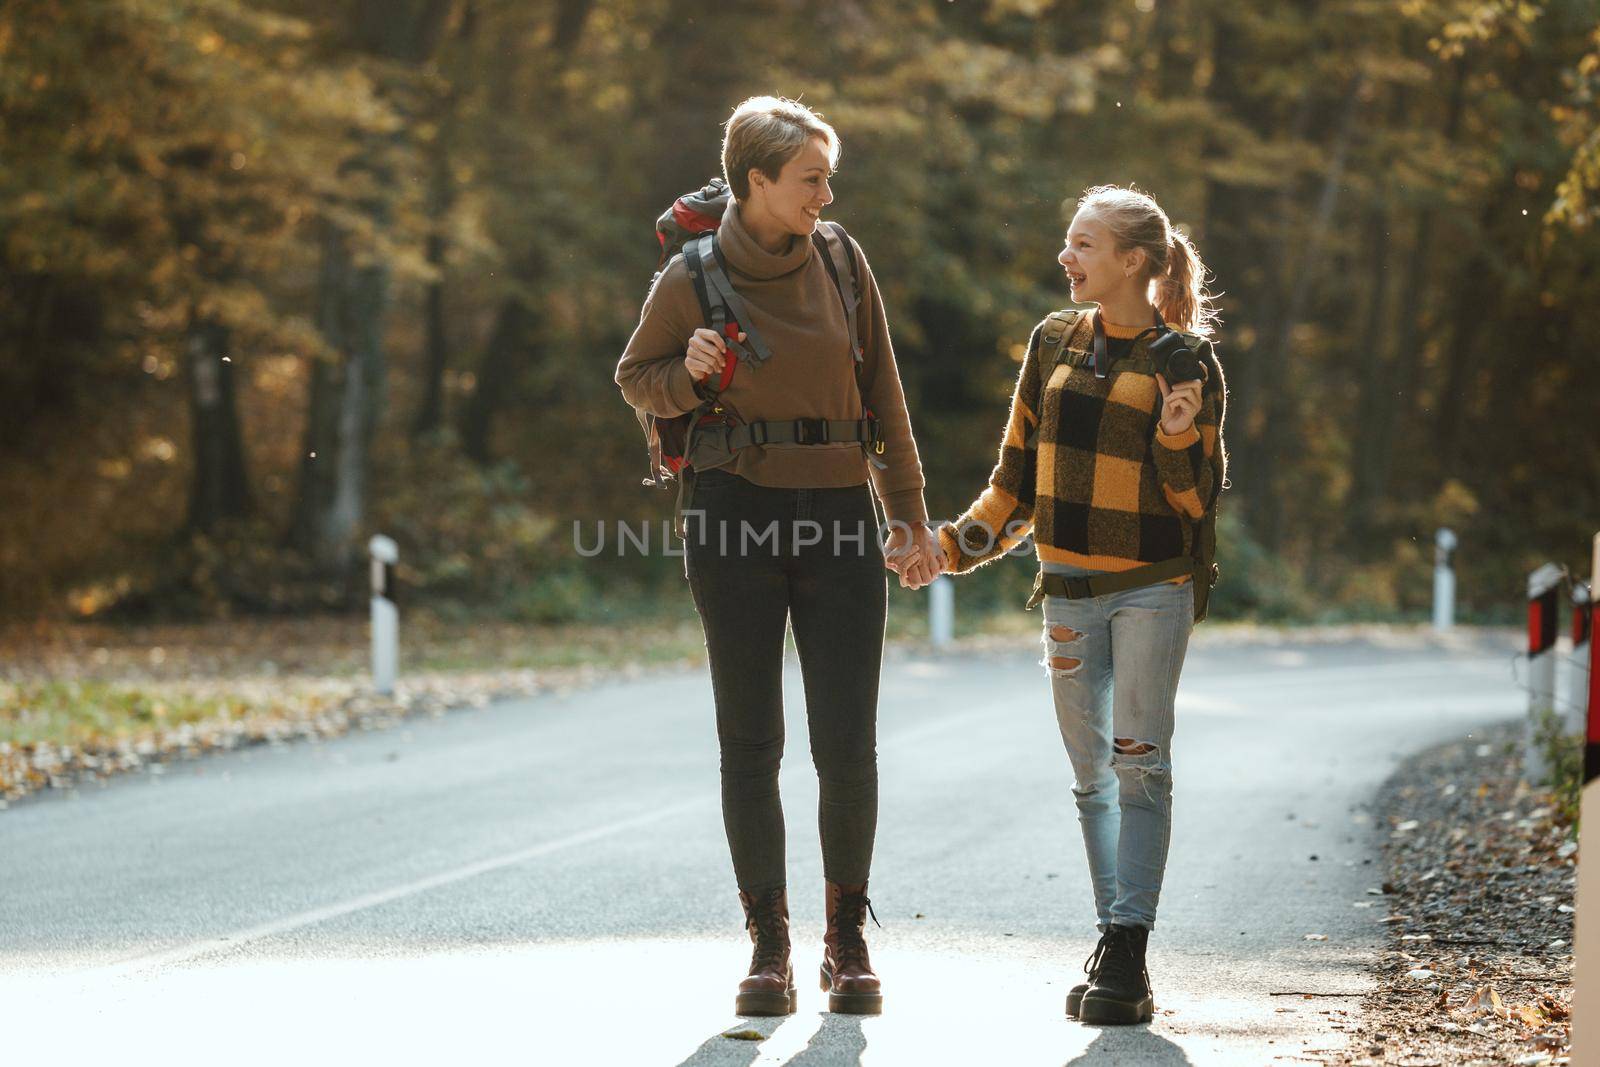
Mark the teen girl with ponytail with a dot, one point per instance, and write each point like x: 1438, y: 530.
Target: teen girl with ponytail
x: 1112, y: 467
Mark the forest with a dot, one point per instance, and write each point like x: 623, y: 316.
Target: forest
x: 277, y: 276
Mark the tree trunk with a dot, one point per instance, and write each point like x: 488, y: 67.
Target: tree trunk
x: 1276, y: 438
x: 220, y: 487
x: 1412, y: 313
x: 514, y: 339
x: 430, y: 414
x: 1373, y: 384
x: 346, y: 398
x: 1387, y: 362
x: 1476, y: 291
x: 346, y: 395
x: 1235, y: 228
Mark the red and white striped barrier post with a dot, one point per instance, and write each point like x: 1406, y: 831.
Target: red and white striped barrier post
x: 1544, y: 606
x: 1579, y: 674
x: 1586, y: 938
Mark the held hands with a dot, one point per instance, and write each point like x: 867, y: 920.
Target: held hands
x: 914, y: 554
x: 1178, y: 405
x: 707, y: 353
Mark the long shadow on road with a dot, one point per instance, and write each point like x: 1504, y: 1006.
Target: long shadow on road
x: 1134, y: 1044
x: 838, y: 1042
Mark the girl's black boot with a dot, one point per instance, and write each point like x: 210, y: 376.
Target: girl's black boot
x: 1120, y: 993
x: 1091, y: 967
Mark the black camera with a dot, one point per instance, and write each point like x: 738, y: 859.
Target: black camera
x: 1176, y: 360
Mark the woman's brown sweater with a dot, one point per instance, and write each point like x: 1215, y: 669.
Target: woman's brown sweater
x: 795, y: 308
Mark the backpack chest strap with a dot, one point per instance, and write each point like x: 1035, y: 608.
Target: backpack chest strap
x: 806, y: 432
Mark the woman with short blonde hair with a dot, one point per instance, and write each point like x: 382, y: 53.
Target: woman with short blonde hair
x: 808, y: 417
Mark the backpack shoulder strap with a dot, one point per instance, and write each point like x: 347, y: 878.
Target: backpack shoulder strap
x: 1215, y: 383
x: 833, y: 247
x: 1054, y: 332
x: 724, y: 309
x: 1058, y: 328
x: 694, y: 251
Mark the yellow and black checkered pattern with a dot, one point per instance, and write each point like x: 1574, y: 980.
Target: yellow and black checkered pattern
x: 1085, y: 468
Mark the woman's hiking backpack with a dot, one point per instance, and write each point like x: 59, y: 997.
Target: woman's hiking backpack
x: 707, y: 436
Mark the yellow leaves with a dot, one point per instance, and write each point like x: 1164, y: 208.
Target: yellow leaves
x: 114, y: 470
x: 157, y: 368
x: 611, y: 99
x: 159, y: 449
x: 209, y: 43
x: 1039, y: 88
x: 347, y: 94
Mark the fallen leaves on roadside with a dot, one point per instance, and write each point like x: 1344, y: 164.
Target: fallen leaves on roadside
x: 1489, y: 864
x: 1529, y: 1015
x: 1485, y: 1000
x: 82, y: 703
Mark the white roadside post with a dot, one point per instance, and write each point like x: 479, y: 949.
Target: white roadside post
x: 385, y: 614
x: 1586, y: 937
x: 1444, y: 579
x: 942, y: 611
x: 1544, y: 599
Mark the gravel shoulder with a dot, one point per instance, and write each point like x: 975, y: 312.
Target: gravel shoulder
x: 1481, y: 878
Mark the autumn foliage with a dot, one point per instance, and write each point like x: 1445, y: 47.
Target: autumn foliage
x: 275, y: 276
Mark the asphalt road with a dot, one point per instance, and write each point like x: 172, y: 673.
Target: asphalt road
x: 546, y: 881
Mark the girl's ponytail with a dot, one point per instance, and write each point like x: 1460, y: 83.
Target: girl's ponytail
x: 1181, y: 295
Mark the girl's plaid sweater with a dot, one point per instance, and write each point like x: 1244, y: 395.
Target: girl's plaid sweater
x: 1085, y: 468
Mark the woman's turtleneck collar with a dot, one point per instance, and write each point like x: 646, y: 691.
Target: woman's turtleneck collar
x: 745, y: 255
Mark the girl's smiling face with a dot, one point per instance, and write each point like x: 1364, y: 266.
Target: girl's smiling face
x: 1095, y: 269
x: 796, y: 199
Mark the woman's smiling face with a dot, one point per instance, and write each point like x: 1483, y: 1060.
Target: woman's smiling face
x: 801, y: 191
x: 1094, y: 266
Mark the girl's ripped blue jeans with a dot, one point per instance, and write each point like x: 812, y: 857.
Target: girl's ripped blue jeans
x: 1114, y: 663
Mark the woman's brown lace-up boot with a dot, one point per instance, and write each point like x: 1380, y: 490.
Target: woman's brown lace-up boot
x: 769, y: 988
x: 846, y: 971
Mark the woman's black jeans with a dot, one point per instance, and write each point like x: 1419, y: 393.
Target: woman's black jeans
x: 759, y: 558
